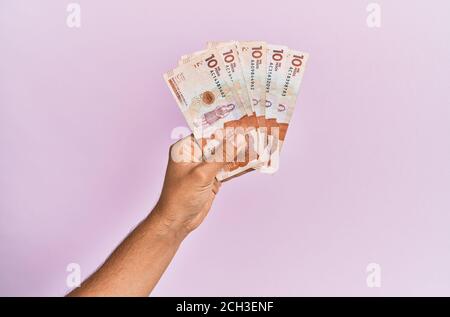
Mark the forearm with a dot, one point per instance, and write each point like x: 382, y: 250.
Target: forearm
x: 137, y: 264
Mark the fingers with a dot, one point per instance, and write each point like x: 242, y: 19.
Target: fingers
x: 186, y: 150
x: 221, y: 151
x: 210, y: 169
x: 216, y: 186
x: 224, y: 151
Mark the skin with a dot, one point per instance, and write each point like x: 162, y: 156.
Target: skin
x: 138, y: 263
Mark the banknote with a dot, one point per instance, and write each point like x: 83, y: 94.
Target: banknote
x: 283, y: 102
x: 276, y: 67
x: 290, y: 87
x: 277, y: 56
x: 233, y: 66
x: 185, y: 58
x: 230, y: 56
x: 239, y: 91
x: 230, y: 81
x: 230, y: 62
x: 207, y: 99
x: 253, y: 57
x: 276, y: 64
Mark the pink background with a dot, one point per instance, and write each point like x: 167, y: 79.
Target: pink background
x: 86, y: 122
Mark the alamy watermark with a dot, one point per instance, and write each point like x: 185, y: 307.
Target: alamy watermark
x: 373, y: 20
x: 73, y: 279
x: 373, y: 278
x: 73, y: 19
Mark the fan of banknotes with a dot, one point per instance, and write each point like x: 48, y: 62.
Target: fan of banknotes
x: 243, y: 93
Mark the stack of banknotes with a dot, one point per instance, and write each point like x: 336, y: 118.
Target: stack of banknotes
x: 242, y: 94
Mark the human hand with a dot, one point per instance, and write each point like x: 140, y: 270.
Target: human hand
x: 137, y: 264
x: 188, y: 191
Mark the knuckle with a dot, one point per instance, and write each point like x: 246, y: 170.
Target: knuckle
x: 200, y: 175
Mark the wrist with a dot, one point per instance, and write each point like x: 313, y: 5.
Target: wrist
x: 165, y: 227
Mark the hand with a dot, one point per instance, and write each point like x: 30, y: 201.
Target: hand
x: 137, y: 264
x: 188, y: 191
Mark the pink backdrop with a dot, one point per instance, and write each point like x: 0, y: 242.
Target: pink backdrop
x: 86, y: 122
